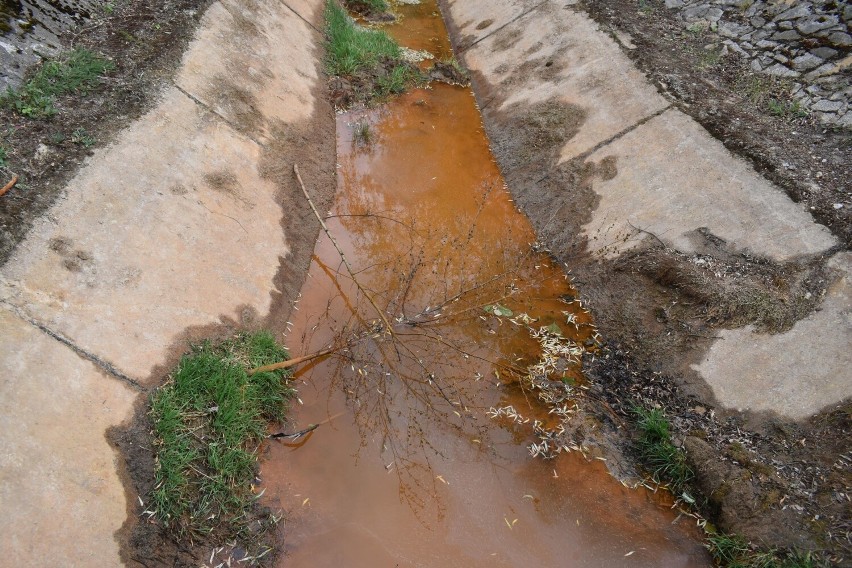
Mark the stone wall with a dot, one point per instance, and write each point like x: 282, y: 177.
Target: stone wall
x: 807, y: 42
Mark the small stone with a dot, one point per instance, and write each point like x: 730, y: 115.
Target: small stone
x: 806, y: 62
x: 699, y: 410
x: 754, y: 9
x: 766, y: 44
x: 838, y: 206
x: 780, y: 70
x: 780, y: 58
x: 814, y: 24
x: 757, y: 22
x: 847, y: 13
x: 840, y: 39
x: 846, y: 121
x: 731, y: 30
x: 795, y: 13
x: 827, y: 106
x: 824, y: 52
x: 785, y: 25
x: 674, y: 3
x: 756, y: 66
x: 822, y: 70
x: 695, y: 12
x: 788, y: 35
x: 714, y: 14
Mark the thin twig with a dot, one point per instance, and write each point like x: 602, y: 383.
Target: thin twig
x: 349, y: 269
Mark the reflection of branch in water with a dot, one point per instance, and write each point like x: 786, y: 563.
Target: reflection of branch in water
x: 406, y: 375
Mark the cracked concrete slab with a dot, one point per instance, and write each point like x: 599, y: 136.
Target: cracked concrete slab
x: 250, y: 64
x: 674, y: 177
x: 59, y: 488
x: 154, y: 235
x: 473, y: 23
x: 553, y: 53
x: 796, y: 373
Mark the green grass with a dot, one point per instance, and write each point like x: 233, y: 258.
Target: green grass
x: 209, y: 419
x: 351, y: 48
x: 395, y: 82
x: 4, y: 156
x: 78, y: 71
x: 732, y: 551
x: 665, y: 462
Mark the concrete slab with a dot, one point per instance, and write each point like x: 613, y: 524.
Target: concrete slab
x: 60, y: 493
x: 157, y: 233
x: 760, y: 372
x: 250, y: 63
x: 674, y: 177
x: 473, y: 23
x: 554, y: 53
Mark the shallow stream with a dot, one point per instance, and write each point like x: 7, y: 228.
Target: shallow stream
x: 428, y: 414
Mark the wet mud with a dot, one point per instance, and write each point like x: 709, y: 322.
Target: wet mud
x: 427, y: 426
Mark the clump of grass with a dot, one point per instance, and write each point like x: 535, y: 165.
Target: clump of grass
x: 352, y: 48
x: 209, y: 419
x: 78, y: 71
x: 4, y: 156
x: 362, y: 134
x: 370, y: 60
x: 665, y: 462
x: 733, y: 551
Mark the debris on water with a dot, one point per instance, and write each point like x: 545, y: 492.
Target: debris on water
x: 415, y: 56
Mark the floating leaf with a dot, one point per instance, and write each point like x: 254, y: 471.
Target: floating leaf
x: 554, y: 329
x: 499, y: 311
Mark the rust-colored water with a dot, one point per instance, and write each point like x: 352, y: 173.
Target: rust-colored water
x: 407, y: 468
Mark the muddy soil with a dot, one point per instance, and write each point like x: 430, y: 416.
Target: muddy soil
x: 145, y: 42
x: 778, y: 483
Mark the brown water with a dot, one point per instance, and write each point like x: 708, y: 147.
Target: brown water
x: 409, y: 468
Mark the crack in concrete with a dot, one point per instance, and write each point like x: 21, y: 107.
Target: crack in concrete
x: 504, y: 26
x: 105, y: 366
x: 302, y: 18
x: 207, y: 107
x: 585, y: 154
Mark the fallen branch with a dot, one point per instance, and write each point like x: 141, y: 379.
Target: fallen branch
x: 292, y: 362
x: 388, y: 326
x: 295, y: 435
x: 8, y: 186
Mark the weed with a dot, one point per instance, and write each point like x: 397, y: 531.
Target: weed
x: 698, y: 27
x: 57, y: 138
x: 4, y: 156
x: 209, y: 419
x: 734, y: 552
x: 789, y: 110
x: 361, y: 133
x: 396, y: 81
x: 108, y: 7
x: 352, y: 48
x: 665, y: 462
x: 80, y: 136
x: 78, y: 71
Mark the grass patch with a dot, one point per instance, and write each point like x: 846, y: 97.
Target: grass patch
x: 352, y: 48
x: 369, y: 62
x: 4, y: 156
x: 209, y: 419
x: 665, y: 462
x: 78, y: 71
x: 732, y: 551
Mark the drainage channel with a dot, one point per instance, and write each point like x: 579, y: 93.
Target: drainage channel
x: 457, y: 357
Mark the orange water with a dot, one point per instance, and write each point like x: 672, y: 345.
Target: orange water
x: 407, y: 468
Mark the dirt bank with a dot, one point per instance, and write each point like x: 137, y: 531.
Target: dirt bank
x: 660, y: 307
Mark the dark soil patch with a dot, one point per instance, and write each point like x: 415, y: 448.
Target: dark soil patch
x: 145, y: 42
x: 809, y: 161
